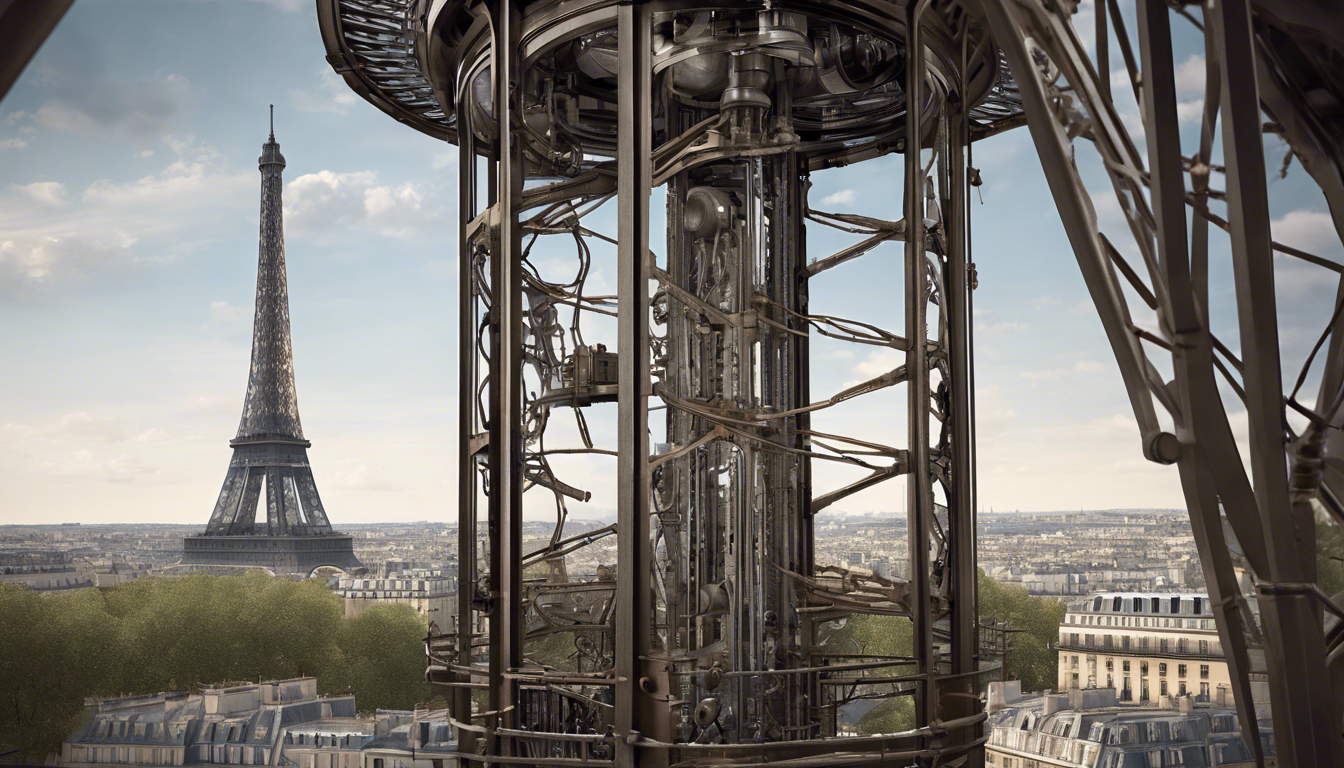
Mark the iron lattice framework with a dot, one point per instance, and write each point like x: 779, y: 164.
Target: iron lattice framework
x: 270, y: 453
x: 707, y: 643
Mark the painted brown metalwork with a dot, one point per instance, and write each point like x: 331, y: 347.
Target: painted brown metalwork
x: 701, y: 650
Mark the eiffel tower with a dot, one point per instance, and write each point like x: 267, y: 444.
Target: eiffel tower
x: 270, y: 454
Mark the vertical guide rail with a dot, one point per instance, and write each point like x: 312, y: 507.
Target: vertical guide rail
x: 919, y: 486
x: 506, y: 320
x: 634, y: 606
x: 961, y: 496
x: 1306, y: 723
x: 467, y: 450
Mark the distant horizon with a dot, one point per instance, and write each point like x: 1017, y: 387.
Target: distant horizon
x: 579, y: 519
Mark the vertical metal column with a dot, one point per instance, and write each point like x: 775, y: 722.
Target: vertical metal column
x: 467, y: 358
x: 506, y: 319
x: 635, y: 691
x: 1306, y: 724
x: 1195, y: 387
x: 961, y: 498
x: 919, y: 485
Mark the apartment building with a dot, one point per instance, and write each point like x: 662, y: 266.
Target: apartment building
x: 275, y: 723
x: 1052, y: 732
x: 1145, y: 646
x: 431, y: 592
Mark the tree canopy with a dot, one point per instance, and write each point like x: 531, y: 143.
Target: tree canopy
x: 1031, y: 655
x: 172, y: 633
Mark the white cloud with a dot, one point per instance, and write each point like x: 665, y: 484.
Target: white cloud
x: 1311, y: 231
x: 1191, y: 111
x: 877, y: 362
x: 445, y: 159
x: 1190, y: 76
x: 990, y: 329
x: 75, y: 426
x: 1048, y: 374
x: 45, y: 192
x: 226, y: 316
x: 844, y: 197
x: 1088, y: 366
x: 330, y: 94
x: 14, y: 143
x: 87, y: 464
x: 82, y: 99
x: 318, y: 200
x: 49, y: 234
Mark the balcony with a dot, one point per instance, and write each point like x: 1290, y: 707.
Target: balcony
x: 1215, y: 652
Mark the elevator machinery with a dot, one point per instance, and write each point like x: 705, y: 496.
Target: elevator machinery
x: 706, y: 641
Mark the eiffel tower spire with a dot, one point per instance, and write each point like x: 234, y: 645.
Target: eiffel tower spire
x: 272, y: 405
x: 269, y: 452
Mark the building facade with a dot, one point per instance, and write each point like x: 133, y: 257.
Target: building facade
x: 1044, y: 732
x: 1145, y: 646
x: 431, y: 592
x: 275, y: 723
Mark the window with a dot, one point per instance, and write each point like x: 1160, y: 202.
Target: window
x: 1110, y: 663
x: 1164, y: 645
x: 1073, y: 640
x: 1180, y: 670
x: 1175, y: 605
x: 1182, y: 687
x: 1162, y: 688
x: 1096, y: 604
x: 1204, y: 671
x: 1117, y: 603
x: 1075, y: 680
x: 1199, y: 605
x: 1143, y: 689
x: 1075, y: 662
x: 1143, y: 667
x: 1203, y: 647
x: 1162, y: 669
x: 1154, y: 603
x: 1125, y: 665
x: 1138, y: 605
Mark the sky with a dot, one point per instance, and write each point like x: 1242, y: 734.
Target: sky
x: 128, y: 231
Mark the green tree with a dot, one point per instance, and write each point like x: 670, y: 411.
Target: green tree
x: 890, y: 716
x: 1031, y: 654
x: 174, y: 633
x: 51, y: 657
x: 555, y: 650
x: 381, y: 659
x: 868, y: 634
x: 1329, y: 555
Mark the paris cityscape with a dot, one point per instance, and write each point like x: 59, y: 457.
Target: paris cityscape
x: 918, y: 383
